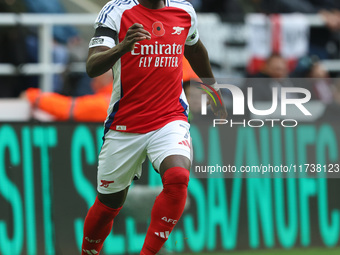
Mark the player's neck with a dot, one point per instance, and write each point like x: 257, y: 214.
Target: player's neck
x: 152, y: 4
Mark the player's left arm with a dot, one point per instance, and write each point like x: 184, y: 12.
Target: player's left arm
x: 197, y: 55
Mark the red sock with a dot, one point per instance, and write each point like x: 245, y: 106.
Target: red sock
x: 167, y: 209
x: 98, y: 225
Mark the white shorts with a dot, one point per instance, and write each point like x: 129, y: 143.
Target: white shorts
x: 122, y: 154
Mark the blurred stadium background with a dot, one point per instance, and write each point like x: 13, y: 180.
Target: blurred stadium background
x: 51, y: 116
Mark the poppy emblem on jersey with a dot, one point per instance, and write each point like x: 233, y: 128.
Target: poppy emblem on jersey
x: 105, y: 184
x: 158, y: 28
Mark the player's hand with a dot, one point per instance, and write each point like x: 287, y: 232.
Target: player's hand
x: 220, y: 111
x: 134, y: 34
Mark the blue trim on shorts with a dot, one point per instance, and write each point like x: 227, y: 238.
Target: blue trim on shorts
x: 185, y: 107
x: 112, y: 115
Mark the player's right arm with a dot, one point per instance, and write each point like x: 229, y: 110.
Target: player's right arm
x: 101, y: 58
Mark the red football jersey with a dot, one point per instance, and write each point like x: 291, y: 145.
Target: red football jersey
x: 147, y: 89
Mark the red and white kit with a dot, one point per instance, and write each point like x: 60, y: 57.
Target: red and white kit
x: 148, y: 98
x: 147, y: 91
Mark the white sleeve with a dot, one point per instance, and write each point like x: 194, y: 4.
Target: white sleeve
x: 106, y: 18
x: 193, y: 34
